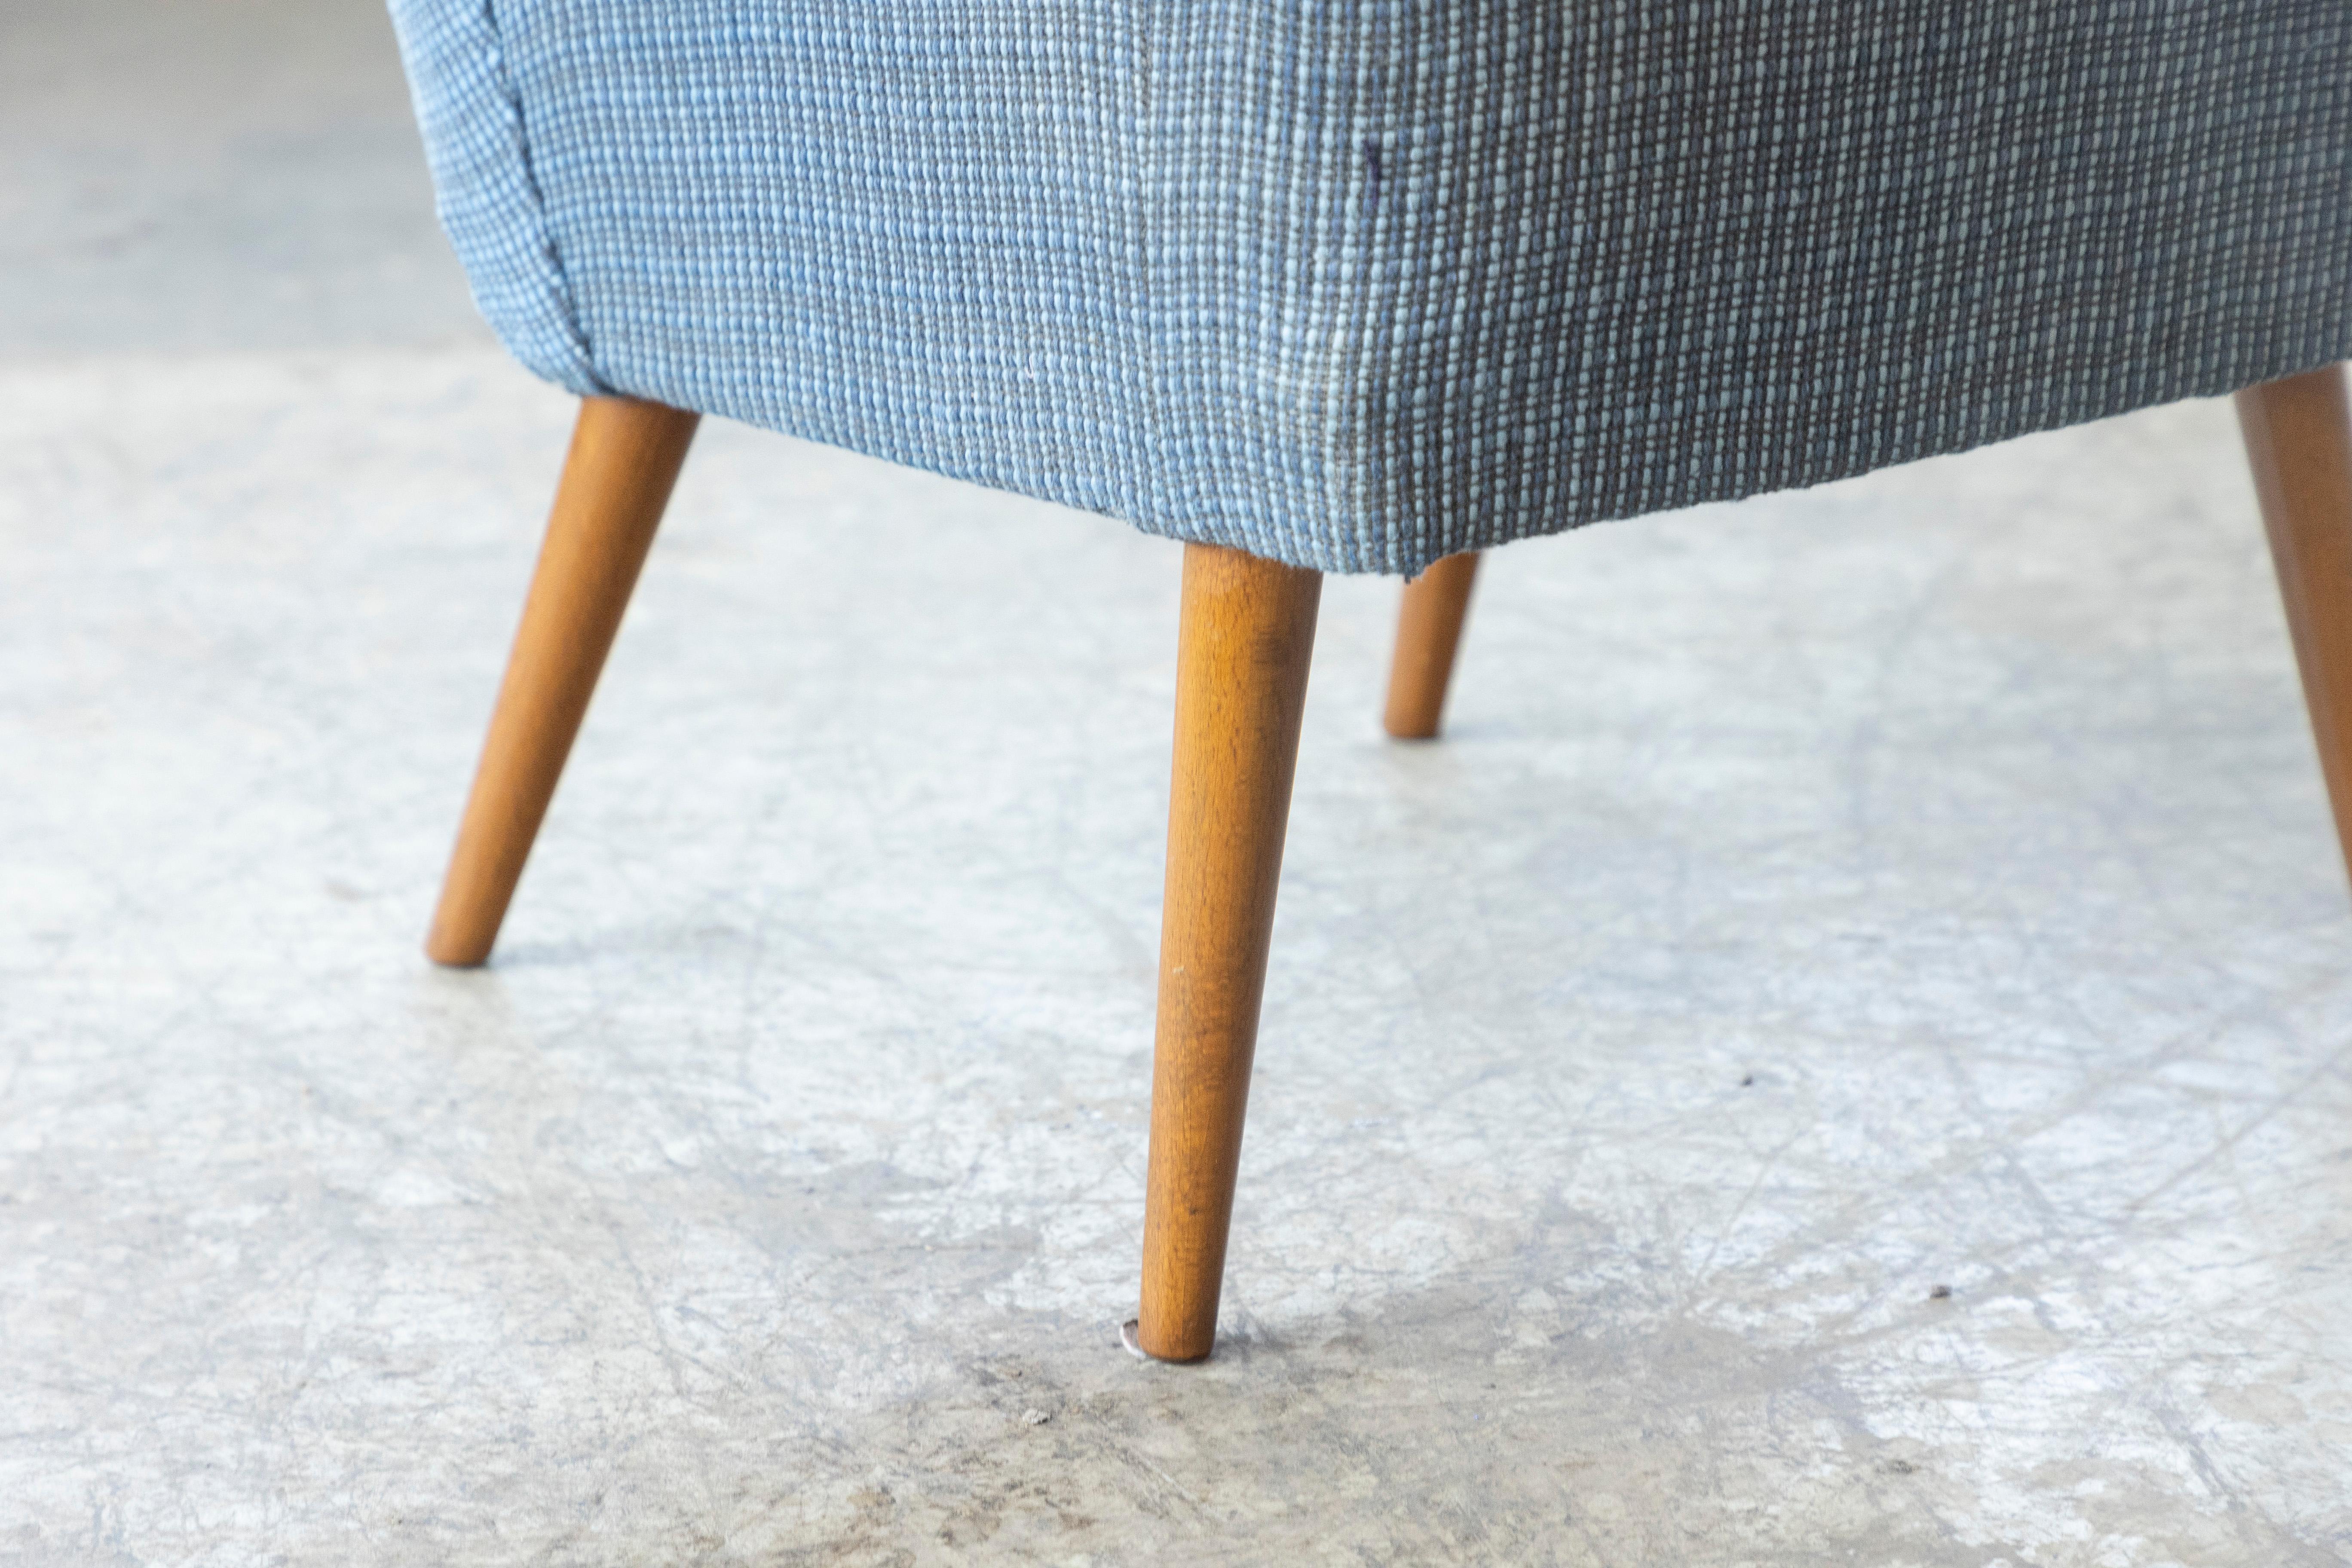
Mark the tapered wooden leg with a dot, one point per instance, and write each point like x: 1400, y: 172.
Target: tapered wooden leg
x: 2299, y: 442
x: 624, y: 457
x: 1429, y: 628
x: 1247, y: 635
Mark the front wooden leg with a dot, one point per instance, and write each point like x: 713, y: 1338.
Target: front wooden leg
x: 1429, y: 629
x: 624, y: 457
x: 2298, y: 436
x: 1242, y: 655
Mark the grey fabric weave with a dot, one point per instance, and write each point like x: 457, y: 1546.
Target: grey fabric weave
x: 1356, y: 285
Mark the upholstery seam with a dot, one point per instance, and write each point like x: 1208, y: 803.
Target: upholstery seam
x: 566, y: 308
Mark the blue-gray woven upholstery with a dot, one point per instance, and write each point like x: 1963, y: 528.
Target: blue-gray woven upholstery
x: 1355, y: 286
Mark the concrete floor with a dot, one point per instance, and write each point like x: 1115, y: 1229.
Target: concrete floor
x: 1921, y: 882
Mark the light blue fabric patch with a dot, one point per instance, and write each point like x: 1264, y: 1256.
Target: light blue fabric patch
x: 489, y: 202
x: 1356, y: 285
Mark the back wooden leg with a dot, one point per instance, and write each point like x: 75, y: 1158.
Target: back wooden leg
x: 1242, y: 655
x: 624, y: 457
x: 1429, y: 628
x: 2299, y: 441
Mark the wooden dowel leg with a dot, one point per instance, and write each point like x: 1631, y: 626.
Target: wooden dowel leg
x: 1247, y: 635
x: 1429, y: 628
x: 2299, y: 443
x: 624, y: 457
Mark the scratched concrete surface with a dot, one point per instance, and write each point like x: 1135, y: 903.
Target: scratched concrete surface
x: 1924, y: 881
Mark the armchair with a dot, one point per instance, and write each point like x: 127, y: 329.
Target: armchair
x: 1368, y: 288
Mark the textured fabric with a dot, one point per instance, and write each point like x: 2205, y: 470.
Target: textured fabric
x: 1356, y: 285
